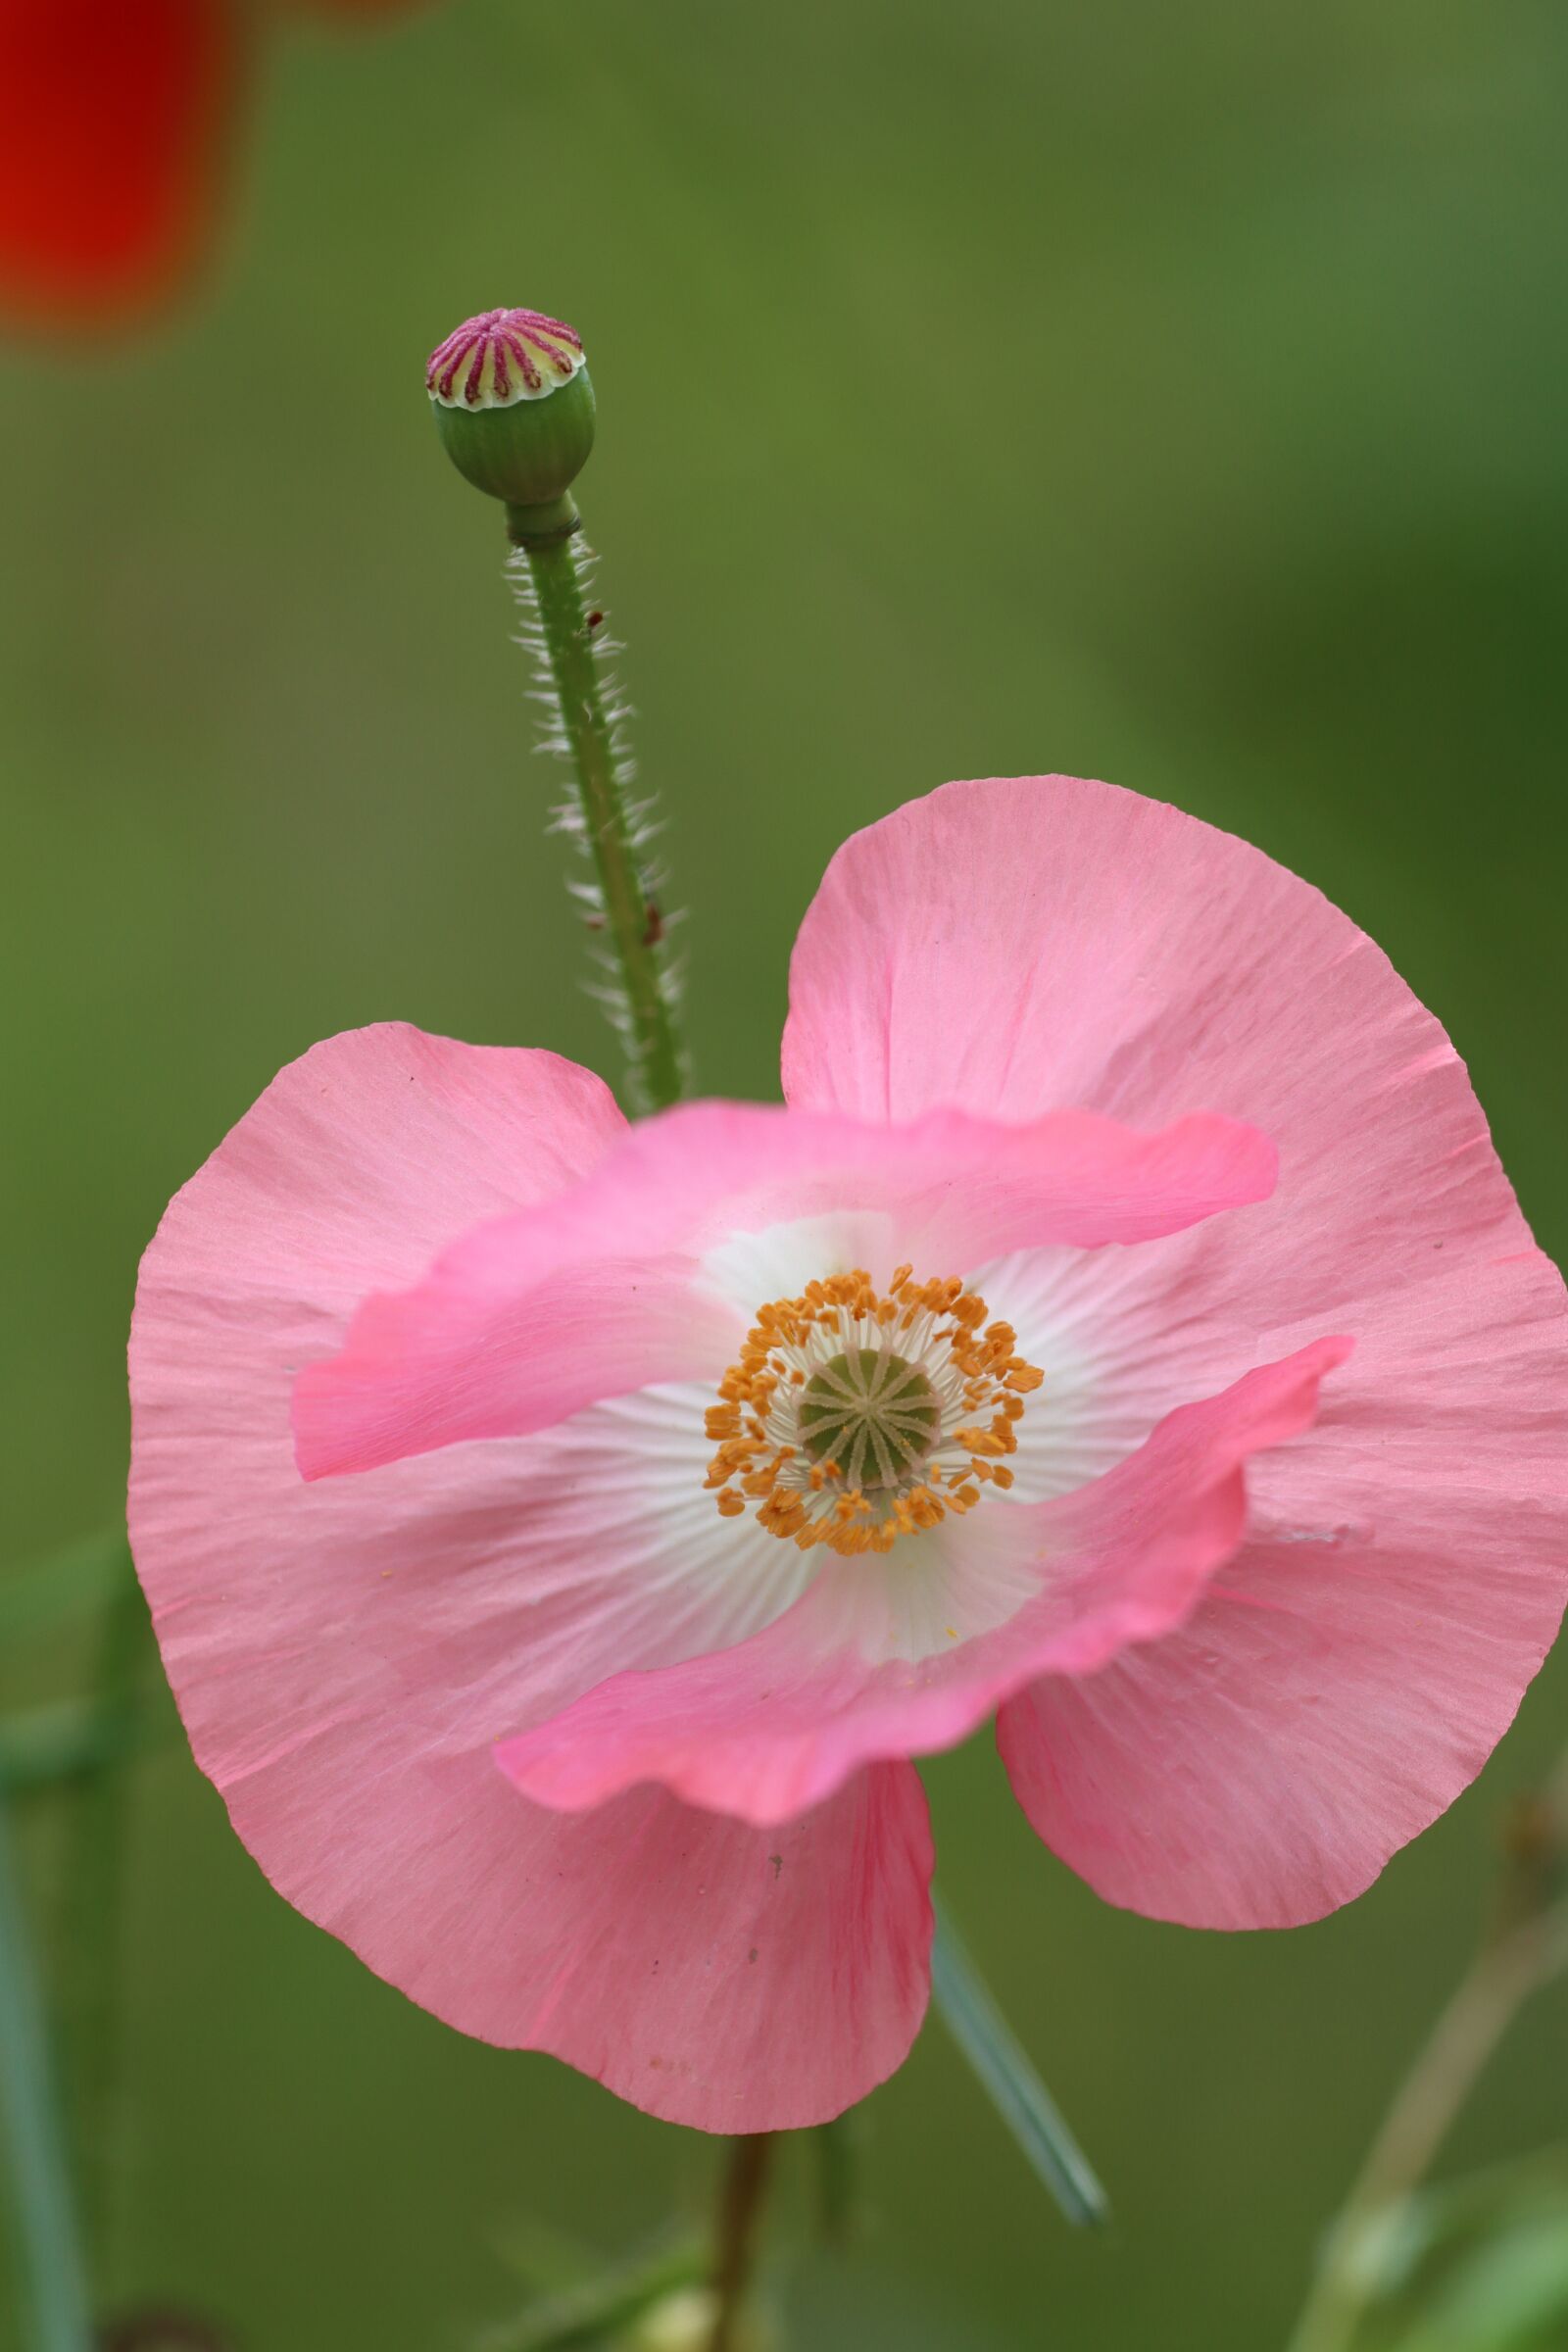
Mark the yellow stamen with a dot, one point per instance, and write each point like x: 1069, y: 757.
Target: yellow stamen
x: 854, y: 1416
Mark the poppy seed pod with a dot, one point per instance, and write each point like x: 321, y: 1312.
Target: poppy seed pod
x: 514, y: 407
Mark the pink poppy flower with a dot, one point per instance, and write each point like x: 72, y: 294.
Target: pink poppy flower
x: 654, y: 1494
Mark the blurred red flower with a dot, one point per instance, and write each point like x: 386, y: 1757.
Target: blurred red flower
x: 117, y: 119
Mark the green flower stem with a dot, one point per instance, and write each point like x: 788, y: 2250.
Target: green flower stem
x: 631, y: 921
x: 1450, y: 2064
x: 747, y: 2178
x: 838, y: 2147
x: 47, y: 2236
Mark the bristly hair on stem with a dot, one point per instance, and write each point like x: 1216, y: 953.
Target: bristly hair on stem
x: 583, y: 720
x: 515, y: 410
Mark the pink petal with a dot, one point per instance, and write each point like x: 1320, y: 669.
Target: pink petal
x: 1018, y: 944
x: 728, y: 1978
x: 602, y: 1291
x: 1023, y: 946
x: 1351, y: 1671
x: 769, y: 1728
x: 370, y: 1153
x: 344, y: 1655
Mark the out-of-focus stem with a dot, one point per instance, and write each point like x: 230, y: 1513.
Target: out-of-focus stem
x: 47, y: 2236
x: 837, y: 2147
x: 91, y: 1903
x: 1527, y: 1948
x: 745, y: 2186
x: 53, y: 1745
x: 632, y: 923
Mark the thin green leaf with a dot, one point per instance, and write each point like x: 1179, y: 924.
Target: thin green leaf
x: 1004, y: 2071
x: 47, y: 2232
x: 82, y: 1576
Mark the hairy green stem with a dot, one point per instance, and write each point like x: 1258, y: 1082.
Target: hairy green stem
x: 632, y: 921
x: 47, y: 2234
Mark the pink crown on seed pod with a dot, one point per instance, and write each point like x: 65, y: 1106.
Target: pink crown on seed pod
x: 501, y: 357
x: 514, y: 408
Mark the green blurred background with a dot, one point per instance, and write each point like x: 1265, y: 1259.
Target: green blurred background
x: 1173, y: 394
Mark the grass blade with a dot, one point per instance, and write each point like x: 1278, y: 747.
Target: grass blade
x: 1016, y: 2091
x: 47, y: 2234
x: 91, y: 1902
